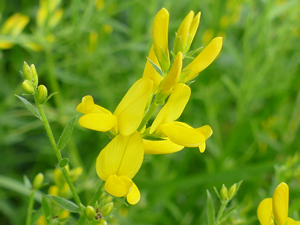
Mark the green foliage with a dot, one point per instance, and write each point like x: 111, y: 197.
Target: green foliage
x: 66, y: 204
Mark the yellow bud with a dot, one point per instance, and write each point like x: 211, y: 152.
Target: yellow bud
x: 107, y: 208
x: 38, y: 181
x: 100, y: 222
x: 27, y: 72
x: 90, y: 212
x: 42, y: 94
x: 28, y: 87
x: 75, y: 173
x: 232, y: 191
x: 108, y: 199
x: 53, y: 190
x: 35, y: 78
x: 224, y: 193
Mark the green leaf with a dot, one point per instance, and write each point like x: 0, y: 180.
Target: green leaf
x: 210, y: 209
x: 156, y: 67
x: 27, y: 182
x: 66, y: 134
x: 46, y: 208
x: 217, y: 192
x: 62, y: 163
x: 66, y: 204
x: 30, y: 107
x: 82, y: 220
x: 50, y: 96
x: 228, y: 212
x: 191, y: 53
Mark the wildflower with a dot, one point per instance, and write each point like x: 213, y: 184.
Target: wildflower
x: 275, y: 209
x: 49, y: 12
x: 127, y: 116
x: 118, y: 163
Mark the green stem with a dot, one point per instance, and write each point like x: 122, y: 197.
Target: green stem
x: 56, y: 151
x: 221, y: 211
x: 147, y: 116
x: 30, y: 208
x: 97, y: 195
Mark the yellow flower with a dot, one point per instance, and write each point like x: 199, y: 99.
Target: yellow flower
x: 186, y: 32
x: 177, y: 134
x: 203, y: 60
x: 127, y: 116
x: 160, y: 38
x: 118, y: 163
x: 275, y: 209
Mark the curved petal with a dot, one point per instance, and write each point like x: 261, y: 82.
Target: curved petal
x: 184, y: 28
x: 290, y: 221
x: 87, y: 105
x: 174, y: 107
x: 134, y: 195
x: 264, y: 212
x: 202, y: 147
x: 130, y: 110
x: 118, y: 187
x: 182, y: 134
x: 204, y: 59
x: 281, y: 203
x: 205, y: 130
x: 161, y: 147
x: 98, y: 121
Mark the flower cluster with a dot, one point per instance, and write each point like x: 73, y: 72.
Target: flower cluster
x: 163, y: 83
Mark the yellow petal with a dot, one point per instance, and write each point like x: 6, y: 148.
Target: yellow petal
x: 184, y: 29
x: 41, y: 16
x: 88, y: 106
x: 117, y: 187
x: 10, y: 23
x: 19, y: 25
x: 122, y: 156
x: 264, y: 212
x: 281, y: 203
x: 130, y: 110
x: 6, y: 45
x: 204, y: 59
x: 174, y: 107
x: 161, y: 147
x: 290, y: 221
x: 202, y: 147
x: 205, y: 130
x: 182, y: 134
x: 150, y: 72
x: 98, y: 121
x: 134, y: 195
x: 194, y: 27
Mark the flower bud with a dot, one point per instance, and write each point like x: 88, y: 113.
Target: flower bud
x: 101, y: 222
x: 90, y: 212
x: 224, y: 193
x: 75, y: 173
x: 35, y: 78
x: 38, y: 181
x: 108, y: 199
x: 27, y: 86
x: 107, y: 208
x: 232, y: 191
x: 27, y: 72
x: 42, y: 94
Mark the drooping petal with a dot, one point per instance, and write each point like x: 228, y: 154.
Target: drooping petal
x: 264, y: 212
x: 98, y: 121
x: 150, y: 72
x: 204, y: 59
x: 281, y: 203
x: 118, y: 187
x: 174, y: 107
x: 134, y: 195
x: 133, y: 156
x: 205, y: 130
x: 182, y: 134
x: 130, y: 110
x: 202, y: 147
x: 88, y: 106
x: 161, y: 147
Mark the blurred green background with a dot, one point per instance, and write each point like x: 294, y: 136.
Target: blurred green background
x: 250, y: 96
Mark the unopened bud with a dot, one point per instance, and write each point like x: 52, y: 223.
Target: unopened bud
x: 224, y: 193
x: 42, y: 94
x: 75, y: 173
x: 27, y: 72
x: 232, y: 191
x: 27, y: 86
x: 35, y: 78
x: 90, y: 212
x: 107, y: 208
x: 100, y: 222
x: 108, y: 199
x: 38, y: 181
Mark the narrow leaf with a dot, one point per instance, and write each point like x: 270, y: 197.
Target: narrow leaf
x: 66, y: 204
x: 191, y: 53
x: 50, y: 96
x: 228, y: 212
x: 217, y: 192
x: 62, y: 163
x: 210, y: 209
x: 27, y: 182
x: 46, y: 208
x: 30, y: 107
x: 66, y: 134
x: 156, y: 67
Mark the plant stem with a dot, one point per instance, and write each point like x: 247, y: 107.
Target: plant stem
x: 30, y: 208
x: 221, y: 211
x: 56, y: 151
x: 97, y: 195
x: 147, y: 116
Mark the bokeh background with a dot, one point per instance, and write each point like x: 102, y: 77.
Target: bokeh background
x: 250, y: 96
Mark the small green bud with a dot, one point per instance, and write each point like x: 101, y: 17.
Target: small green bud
x: 27, y: 86
x: 27, y: 72
x: 42, y: 94
x: 100, y: 222
x: 35, y: 78
x: 224, y: 193
x: 108, y: 199
x: 90, y: 212
x: 232, y: 191
x: 107, y: 208
x: 38, y: 181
